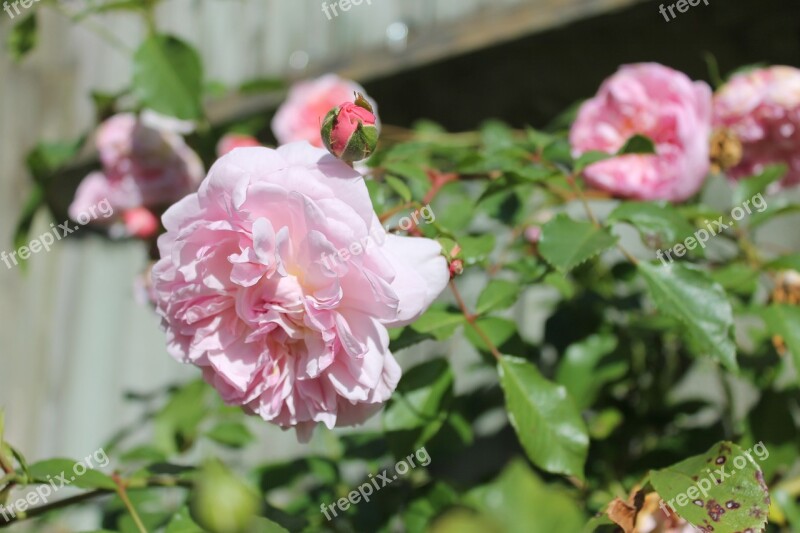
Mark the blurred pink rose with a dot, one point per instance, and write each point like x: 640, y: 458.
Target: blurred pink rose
x: 140, y: 222
x: 231, y: 141
x: 662, y: 104
x: 301, y: 115
x: 143, y: 167
x: 251, y: 288
x: 762, y: 109
x: 155, y: 164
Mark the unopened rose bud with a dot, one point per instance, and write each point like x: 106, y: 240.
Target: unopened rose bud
x: 533, y: 234
x: 221, y: 502
x: 350, y: 130
x: 456, y: 268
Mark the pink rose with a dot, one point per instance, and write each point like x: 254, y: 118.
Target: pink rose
x: 301, y: 115
x: 232, y: 141
x: 350, y: 132
x: 143, y: 167
x: 662, y: 104
x: 277, y: 279
x: 140, y: 222
x: 155, y: 164
x: 762, y: 109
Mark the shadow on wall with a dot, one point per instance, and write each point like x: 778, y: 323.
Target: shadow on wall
x: 529, y: 81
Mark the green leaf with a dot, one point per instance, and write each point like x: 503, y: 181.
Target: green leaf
x: 499, y: 330
x: 638, y: 144
x: 701, y: 305
x: 265, y: 525
x: 589, y: 158
x: 22, y: 38
x: 401, y: 338
x: 653, y: 219
x: 168, y: 77
x: 176, y: 425
x: 547, y: 422
x: 498, y: 294
x: 580, y: 369
x: 399, y: 187
x: 784, y: 320
x: 520, y: 502
x: 53, y: 469
x: 748, y: 188
x: 419, y: 406
x: 567, y: 243
x: 438, y: 323
x: 475, y: 250
x: 723, y: 488
x: 231, y: 434
x: 262, y: 85
x: 789, y: 262
x: 47, y: 158
x: 182, y: 522
x: 422, y: 510
x: 738, y: 278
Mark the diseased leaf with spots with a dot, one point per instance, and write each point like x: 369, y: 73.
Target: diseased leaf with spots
x: 721, y: 489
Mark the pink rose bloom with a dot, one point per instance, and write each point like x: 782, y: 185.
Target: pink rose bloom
x: 762, y: 109
x: 232, y: 141
x: 140, y: 222
x: 251, y: 288
x: 155, y: 164
x: 301, y: 115
x: 662, y: 104
x: 143, y: 167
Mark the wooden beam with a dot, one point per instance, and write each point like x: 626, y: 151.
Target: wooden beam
x: 485, y: 28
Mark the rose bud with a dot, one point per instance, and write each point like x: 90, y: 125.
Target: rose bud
x: 350, y: 130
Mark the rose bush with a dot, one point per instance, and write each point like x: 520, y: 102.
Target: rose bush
x: 568, y: 381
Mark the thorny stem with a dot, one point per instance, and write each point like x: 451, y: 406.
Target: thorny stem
x: 471, y: 320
